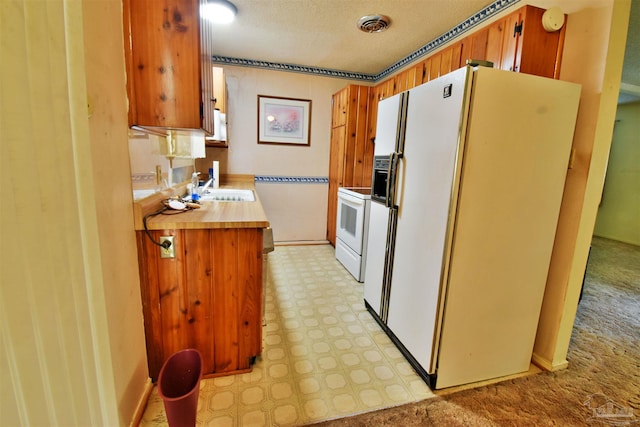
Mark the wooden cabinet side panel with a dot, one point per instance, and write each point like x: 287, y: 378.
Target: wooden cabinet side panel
x: 128, y: 60
x: 361, y: 146
x: 249, y: 288
x: 207, y: 85
x: 148, y: 269
x: 224, y: 244
x: 336, y: 158
x: 165, y: 39
x: 198, y: 284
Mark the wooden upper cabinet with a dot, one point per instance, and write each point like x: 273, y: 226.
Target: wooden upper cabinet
x: 340, y: 103
x: 495, y: 37
x: 528, y: 47
x: 434, y: 66
x: 474, y: 46
x: 450, y: 59
x: 169, y: 70
x: 219, y: 90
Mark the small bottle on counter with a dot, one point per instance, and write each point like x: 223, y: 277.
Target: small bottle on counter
x: 194, y: 187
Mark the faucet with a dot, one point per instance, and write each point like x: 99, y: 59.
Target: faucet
x: 206, y: 185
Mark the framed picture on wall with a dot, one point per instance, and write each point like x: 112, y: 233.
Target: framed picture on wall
x: 284, y: 120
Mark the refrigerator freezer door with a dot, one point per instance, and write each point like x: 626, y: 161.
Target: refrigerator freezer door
x: 387, y: 125
x: 374, y: 268
x: 426, y: 177
x: 515, y: 164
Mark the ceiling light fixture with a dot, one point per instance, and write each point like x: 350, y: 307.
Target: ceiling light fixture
x: 219, y: 11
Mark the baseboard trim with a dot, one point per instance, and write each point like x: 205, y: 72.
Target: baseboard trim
x: 547, y: 364
x: 300, y: 242
x: 142, y: 404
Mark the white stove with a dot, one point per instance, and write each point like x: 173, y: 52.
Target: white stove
x: 352, y: 228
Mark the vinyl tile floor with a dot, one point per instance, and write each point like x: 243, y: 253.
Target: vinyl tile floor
x: 324, y: 356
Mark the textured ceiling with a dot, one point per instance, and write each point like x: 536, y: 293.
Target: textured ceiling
x: 324, y: 33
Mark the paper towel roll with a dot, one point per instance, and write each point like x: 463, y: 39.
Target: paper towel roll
x: 216, y: 174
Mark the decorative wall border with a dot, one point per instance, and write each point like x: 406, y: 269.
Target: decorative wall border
x: 272, y: 179
x: 469, y: 23
x: 292, y: 68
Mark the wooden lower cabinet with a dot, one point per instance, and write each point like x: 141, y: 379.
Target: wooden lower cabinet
x: 208, y: 297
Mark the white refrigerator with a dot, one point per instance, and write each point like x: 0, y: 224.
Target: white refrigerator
x: 468, y: 179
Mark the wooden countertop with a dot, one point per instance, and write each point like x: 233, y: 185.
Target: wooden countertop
x: 214, y: 214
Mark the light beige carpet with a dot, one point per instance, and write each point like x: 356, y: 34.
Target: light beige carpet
x: 600, y: 387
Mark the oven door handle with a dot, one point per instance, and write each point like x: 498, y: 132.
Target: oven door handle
x: 391, y: 180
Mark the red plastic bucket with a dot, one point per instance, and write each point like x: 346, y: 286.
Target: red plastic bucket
x: 178, y: 386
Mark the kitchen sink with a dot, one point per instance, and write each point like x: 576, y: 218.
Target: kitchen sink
x: 227, y: 195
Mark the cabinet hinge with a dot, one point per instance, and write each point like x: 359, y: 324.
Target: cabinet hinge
x: 517, y: 28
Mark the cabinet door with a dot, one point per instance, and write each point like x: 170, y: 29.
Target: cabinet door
x: 357, y: 144
x: 528, y: 47
x: 219, y: 89
x: 434, y: 69
x: 339, y: 109
x: 165, y: 62
x: 495, y: 35
x: 208, y: 297
x: 420, y: 73
x: 510, y: 42
x: 474, y: 46
x: 450, y: 59
x: 539, y: 51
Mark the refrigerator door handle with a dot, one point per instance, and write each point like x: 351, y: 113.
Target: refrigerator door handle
x: 390, y: 200
x: 387, y: 192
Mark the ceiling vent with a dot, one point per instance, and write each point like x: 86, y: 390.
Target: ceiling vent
x: 374, y: 23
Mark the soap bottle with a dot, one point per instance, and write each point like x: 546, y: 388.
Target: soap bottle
x: 194, y: 187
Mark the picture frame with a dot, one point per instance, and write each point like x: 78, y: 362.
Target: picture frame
x: 284, y: 121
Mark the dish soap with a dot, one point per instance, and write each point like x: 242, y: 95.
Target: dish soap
x: 194, y: 187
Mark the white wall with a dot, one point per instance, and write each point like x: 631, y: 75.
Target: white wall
x: 297, y: 212
x: 593, y: 56
x: 71, y: 323
x: 619, y: 212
